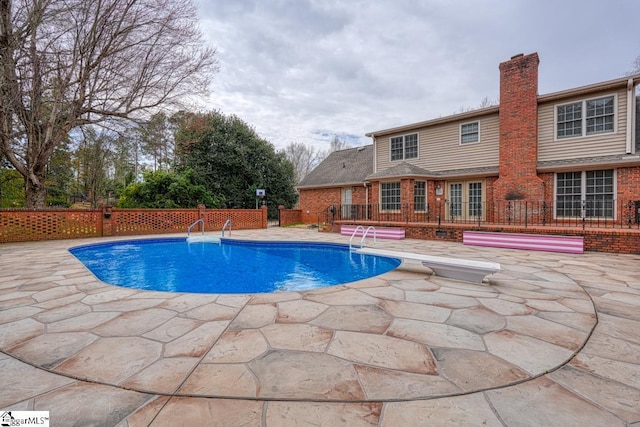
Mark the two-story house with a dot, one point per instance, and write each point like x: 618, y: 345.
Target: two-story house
x: 563, y: 155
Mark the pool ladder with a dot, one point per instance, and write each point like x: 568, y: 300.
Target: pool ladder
x: 200, y: 221
x: 227, y: 222
x: 364, y: 235
x: 202, y: 238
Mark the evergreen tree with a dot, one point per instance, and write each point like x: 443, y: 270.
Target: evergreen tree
x: 233, y: 161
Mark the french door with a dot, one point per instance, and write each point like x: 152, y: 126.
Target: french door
x: 466, y: 200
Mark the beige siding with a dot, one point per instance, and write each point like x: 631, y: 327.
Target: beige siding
x: 439, y: 147
x: 587, y: 146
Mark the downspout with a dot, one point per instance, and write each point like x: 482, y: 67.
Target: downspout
x: 631, y: 116
x: 366, y: 201
x: 375, y: 155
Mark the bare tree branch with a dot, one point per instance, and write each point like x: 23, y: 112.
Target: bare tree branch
x: 69, y: 63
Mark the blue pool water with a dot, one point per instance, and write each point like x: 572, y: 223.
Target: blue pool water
x: 232, y: 266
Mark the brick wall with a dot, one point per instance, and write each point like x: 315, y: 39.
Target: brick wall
x: 622, y: 241
x: 314, y: 202
x: 289, y: 216
x: 519, y: 130
x: 27, y: 225
x: 30, y: 225
x: 628, y: 183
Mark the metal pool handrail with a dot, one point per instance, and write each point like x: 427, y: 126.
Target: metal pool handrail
x: 193, y: 225
x: 364, y: 235
x: 227, y: 222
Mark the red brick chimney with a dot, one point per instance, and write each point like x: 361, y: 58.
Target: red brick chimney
x: 519, y: 130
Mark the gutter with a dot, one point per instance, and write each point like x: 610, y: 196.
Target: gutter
x: 631, y: 116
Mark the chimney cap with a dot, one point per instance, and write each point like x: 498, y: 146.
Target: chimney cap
x: 517, y: 56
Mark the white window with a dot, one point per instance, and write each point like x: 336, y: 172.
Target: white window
x: 469, y: 132
x: 586, y: 194
x: 404, y: 147
x: 588, y: 117
x: 600, y: 115
x: 420, y: 196
x: 390, y: 196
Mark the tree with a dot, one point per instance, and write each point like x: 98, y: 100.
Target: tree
x: 304, y: 158
x: 335, y: 145
x: 636, y: 66
x: 59, y: 176
x: 157, y: 141
x: 92, y: 157
x: 65, y: 64
x: 233, y: 161
x: 11, y: 187
x: 162, y: 189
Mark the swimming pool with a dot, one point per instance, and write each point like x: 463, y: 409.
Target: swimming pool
x: 231, y: 266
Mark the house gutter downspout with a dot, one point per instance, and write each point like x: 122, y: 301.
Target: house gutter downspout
x: 631, y: 116
x: 366, y: 200
x: 375, y: 155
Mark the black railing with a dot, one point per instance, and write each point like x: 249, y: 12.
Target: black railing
x: 579, y: 213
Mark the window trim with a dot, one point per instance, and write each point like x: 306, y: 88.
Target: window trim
x: 404, y: 147
x: 477, y: 141
x: 426, y: 201
x: 399, y: 203
x: 583, y: 119
x: 583, y: 192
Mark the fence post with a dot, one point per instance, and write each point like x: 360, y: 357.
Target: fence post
x: 107, y: 226
x: 202, y: 214
x: 264, y: 211
x: 280, y: 210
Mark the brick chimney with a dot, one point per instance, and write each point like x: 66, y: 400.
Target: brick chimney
x: 519, y: 130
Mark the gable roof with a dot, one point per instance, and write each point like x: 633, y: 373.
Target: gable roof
x: 343, y: 167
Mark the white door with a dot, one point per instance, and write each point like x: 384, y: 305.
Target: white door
x: 346, y: 203
x: 455, y: 200
x: 466, y: 200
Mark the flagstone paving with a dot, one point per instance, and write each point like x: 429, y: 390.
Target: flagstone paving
x: 551, y: 339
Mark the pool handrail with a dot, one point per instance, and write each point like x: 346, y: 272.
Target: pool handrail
x: 227, y: 222
x: 354, y: 234
x: 193, y: 225
x: 364, y: 235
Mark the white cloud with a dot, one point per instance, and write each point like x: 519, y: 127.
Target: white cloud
x: 304, y: 70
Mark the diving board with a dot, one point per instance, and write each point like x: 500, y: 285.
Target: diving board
x: 453, y: 268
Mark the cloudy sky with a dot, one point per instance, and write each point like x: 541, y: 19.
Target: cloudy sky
x: 306, y: 70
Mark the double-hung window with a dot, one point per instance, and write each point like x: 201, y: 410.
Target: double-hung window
x: 586, y: 194
x: 390, y: 196
x: 404, y: 147
x: 588, y: 117
x: 600, y: 115
x: 469, y: 133
x: 420, y: 196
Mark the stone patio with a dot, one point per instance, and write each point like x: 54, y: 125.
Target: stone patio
x: 552, y: 339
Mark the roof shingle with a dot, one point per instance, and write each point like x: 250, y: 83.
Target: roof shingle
x: 343, y: 167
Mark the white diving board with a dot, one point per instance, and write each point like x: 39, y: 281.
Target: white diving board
x: 453, y: 268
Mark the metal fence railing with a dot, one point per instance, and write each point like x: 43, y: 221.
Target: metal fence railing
x: 577, y: 213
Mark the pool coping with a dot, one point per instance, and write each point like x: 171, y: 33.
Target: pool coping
x: 356, y: 287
